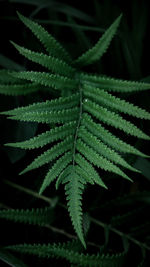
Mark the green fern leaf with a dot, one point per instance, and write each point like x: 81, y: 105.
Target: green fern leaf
x: 64, y: 251
x: 7, y: 78
x: 113, y: 119
x: 82, y: 144
x: 35, y: 216
x: 107, y: 99
x: 97, y: 51
x: 74, y: 188
x: 98, y: 160
x: 55, y: 171
x: 63, y: 175
x: 111, y: 84
x: 45, y: 138
x: 48, y: 117
x: 108, y: 138
x: 52, y: 46
x: 51, y: 63
x: 90, y: 171
x: 103, y: 149
x: 58, y: 104
x: 46, y: 79
x: 81, y: 172
x: 50, y: 154
x: 19, y: 89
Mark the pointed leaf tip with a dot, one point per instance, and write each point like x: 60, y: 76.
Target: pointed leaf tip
x: 96, y: 52
x: 23, y: 172
x: 19, y: 15
x: 52, y: 46
x: 105, y: 186
x: 8, y: 144
x: 13, y: 43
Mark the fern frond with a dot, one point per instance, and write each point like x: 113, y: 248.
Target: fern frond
x: 84, y: 175
x: 73, y: 190
x: 113, y: 119
x: 50, y: 154
x: 51, y: 45
x: 108, y: 138
x: 19, y: 89
x: 102, y: 97
x: 89, y: 169
x: 46, y: 79
x: 63, y: 175
x: 81, y: 145
x: 98, y: 160
x: 74, y: 186
x: 111, y: 84
x: 35, y: 216
x: 103, y: 149
x: 48, y: 117
x: 45, y: 138
x: 7, y: 78
x: 58, y: 104
x: 51, y: 63
x: 97, y: 51
x: 55, y: 170
x: 64, y: 251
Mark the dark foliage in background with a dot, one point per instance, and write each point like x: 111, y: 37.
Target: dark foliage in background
x: 114, y: 220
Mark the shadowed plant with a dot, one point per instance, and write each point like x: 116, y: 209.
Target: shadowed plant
x: 81, y: 143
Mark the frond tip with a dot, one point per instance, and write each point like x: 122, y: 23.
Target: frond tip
x: 51, y: 45
x: 96, y: 52
x: 46, y: 79
x: 74, y: 187
x: 112, y: 84
x: 35, y: 216
x: 105, y: 98
x: 51, y: 63
x: 19, y: 89
x: 113, y: 119
x: 67, y: 251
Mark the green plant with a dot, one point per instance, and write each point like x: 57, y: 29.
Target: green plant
x: 76, y: 117
x: 71, y: 251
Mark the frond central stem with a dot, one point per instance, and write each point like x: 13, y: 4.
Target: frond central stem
x: 78, y: 125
